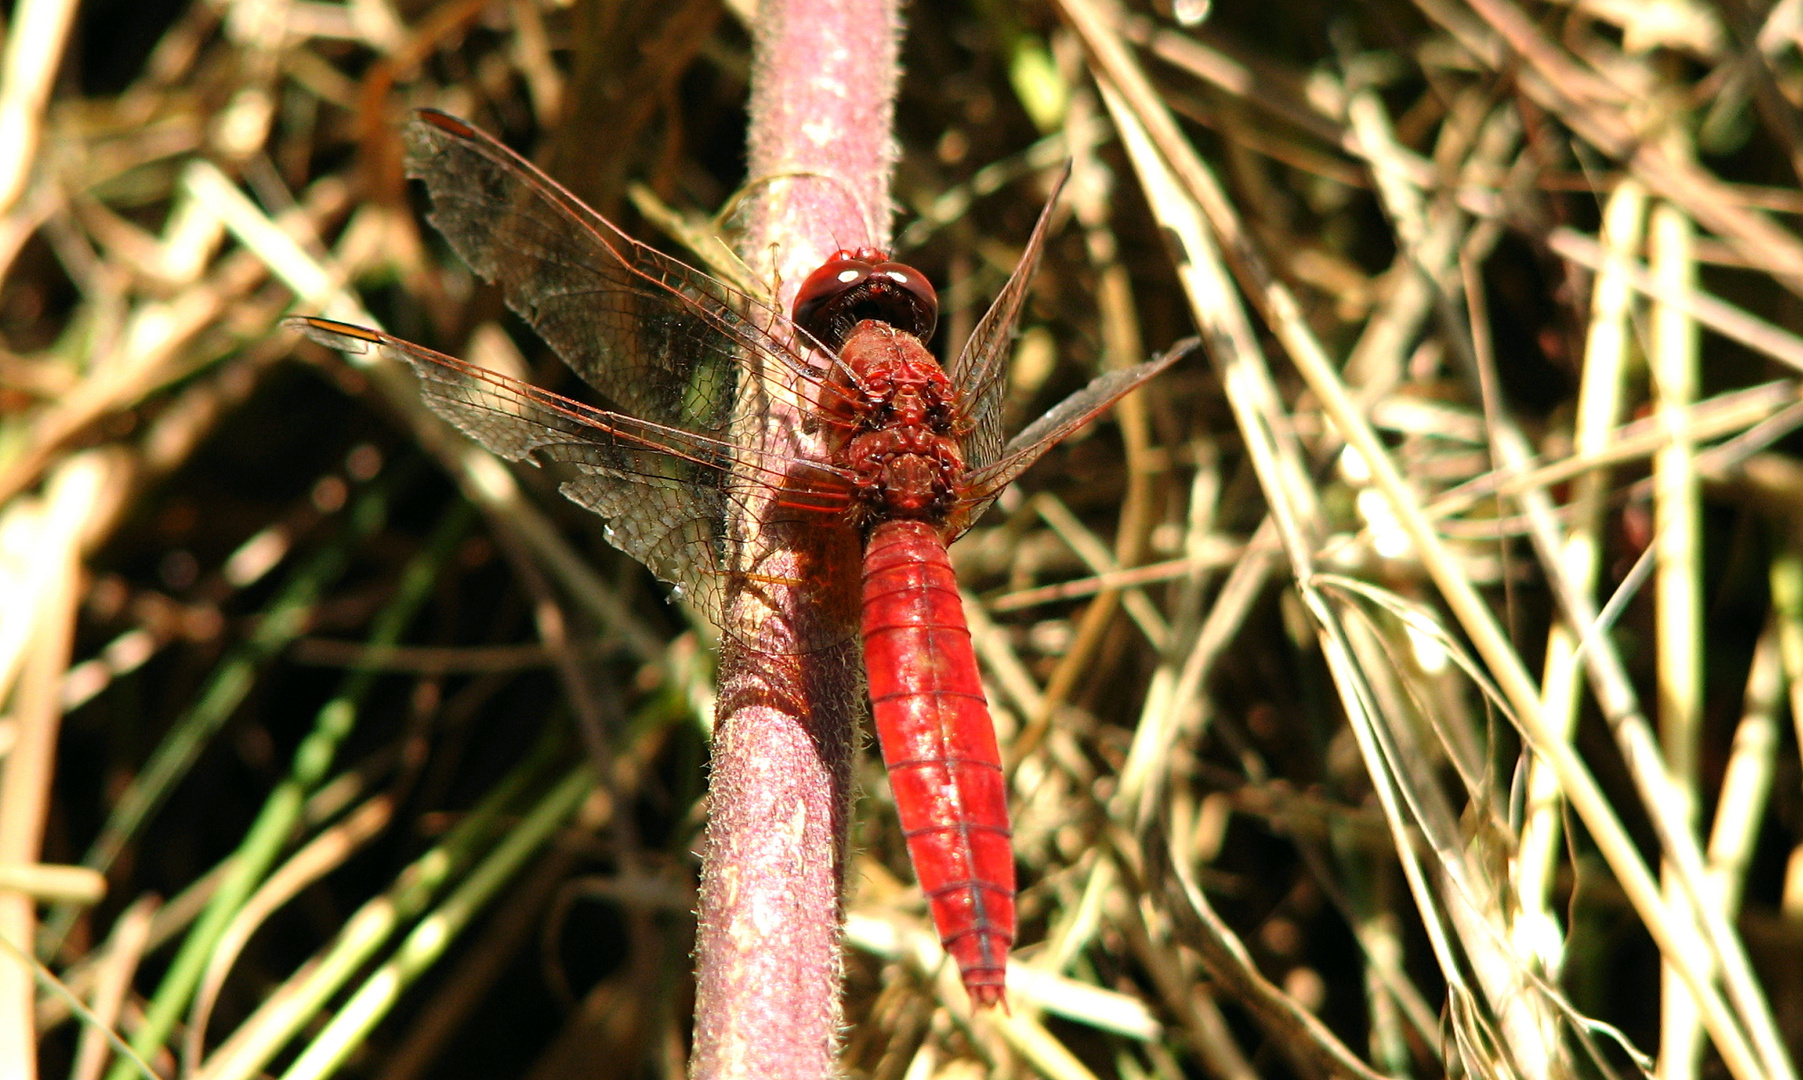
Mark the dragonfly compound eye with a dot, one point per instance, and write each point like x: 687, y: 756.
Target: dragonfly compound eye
x: 856, y: 285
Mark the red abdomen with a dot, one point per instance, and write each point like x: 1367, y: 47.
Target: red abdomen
x: 939, y: 745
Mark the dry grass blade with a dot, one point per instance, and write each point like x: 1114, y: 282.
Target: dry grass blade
x: 1259, y: 422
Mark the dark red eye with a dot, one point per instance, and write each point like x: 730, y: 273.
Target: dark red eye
x: 852, y: 286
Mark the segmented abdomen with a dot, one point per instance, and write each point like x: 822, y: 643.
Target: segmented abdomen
x: 939, y: 745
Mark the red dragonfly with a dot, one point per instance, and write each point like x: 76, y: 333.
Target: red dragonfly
x: 912, y: 456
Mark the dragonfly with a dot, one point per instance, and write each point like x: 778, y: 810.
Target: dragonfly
x: 909, y: 454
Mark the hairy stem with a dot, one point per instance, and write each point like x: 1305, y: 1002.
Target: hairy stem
x: 791, y: 684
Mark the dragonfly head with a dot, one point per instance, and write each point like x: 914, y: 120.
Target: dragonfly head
x: 854, y: 285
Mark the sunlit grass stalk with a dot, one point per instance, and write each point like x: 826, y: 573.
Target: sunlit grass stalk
x: 46, y: 605
x: 429, y: 940
x: 298, y: 1002
x: 1747, y: 781
x: 1536, y: 931
x: 119, y: 961
x: 1677, y: 516
x: 270, y: 832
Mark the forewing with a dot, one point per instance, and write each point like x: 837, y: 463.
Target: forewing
x: 983, y: 485
x: 660, y: 340
x: 980, y: 371
x: 661, y: 489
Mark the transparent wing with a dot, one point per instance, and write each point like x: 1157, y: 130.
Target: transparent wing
x: 658, y: 339
x: 981, y: 368
x: 662, y: 489
x: 984, y: 484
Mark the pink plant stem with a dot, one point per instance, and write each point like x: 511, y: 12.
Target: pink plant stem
x: 791, y: 681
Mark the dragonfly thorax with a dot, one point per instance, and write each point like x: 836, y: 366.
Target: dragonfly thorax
x: 907, y: 396
x: 903, y: 472
x: 896, y: 420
